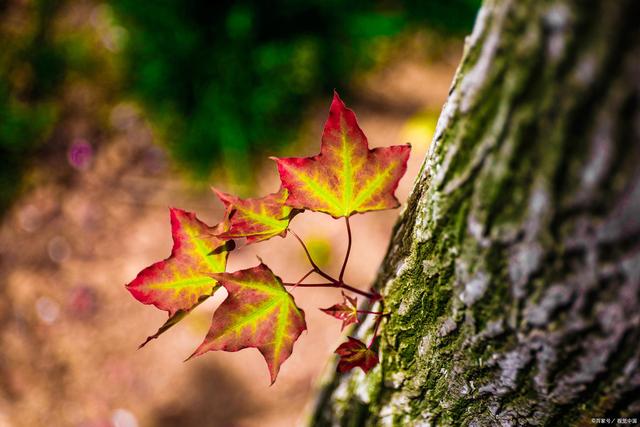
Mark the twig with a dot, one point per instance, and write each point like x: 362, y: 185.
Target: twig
x: 346, y: 257
x: 375, y: 331
x: 303, y: 277
x: 313, y: 264
x: 333, y: 282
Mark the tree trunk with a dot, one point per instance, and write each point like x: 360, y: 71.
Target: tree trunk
x: 513, y: 274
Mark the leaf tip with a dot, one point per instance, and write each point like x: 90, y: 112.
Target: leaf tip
x: 194, y: 354
x: 337, y: 101
x: 177, y: 212
x: 149, y: 338
x: 224, y: 197
x: 272, y: 378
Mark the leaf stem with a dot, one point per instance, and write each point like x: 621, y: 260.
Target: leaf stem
x: 346, y: 257
x: 333, y: 282
x: 375, y: 331
x: 303, y: 277
x: 311, y: 261
x: 343, y: 285
x: 378, y: 313
x: 312, y: 285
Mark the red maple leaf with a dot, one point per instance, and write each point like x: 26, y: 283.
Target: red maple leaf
x: 258, y: 312
x: 181, y: 282
x: 347, y: 311
x: 346, y: 177
x: 256, y: 219
x: 354, y: 353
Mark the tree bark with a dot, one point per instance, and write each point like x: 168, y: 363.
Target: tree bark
x: 513, y: 274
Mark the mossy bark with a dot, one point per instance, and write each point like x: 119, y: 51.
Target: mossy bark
x: 513, y: 273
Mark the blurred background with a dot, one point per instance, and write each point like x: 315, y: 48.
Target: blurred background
x: 112, y: 111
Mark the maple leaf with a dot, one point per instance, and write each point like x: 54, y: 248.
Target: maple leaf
x: 183, y: 280
x: 347, y: 311
x: 258, y: 312
x: 354, y: 353
x: 256, y: 219
x: 346, y: 177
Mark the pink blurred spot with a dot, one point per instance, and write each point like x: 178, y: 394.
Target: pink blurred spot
x: 82, y: 302
x: 80, y: 154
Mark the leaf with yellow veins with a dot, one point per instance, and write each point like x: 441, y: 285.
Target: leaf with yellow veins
x: 183, y: 280
x: 258, y: 312
x: 354, y: 353
x: 256, y: 219
x: 346, y: 177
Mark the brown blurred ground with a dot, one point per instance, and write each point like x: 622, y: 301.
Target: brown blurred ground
x: 69, y: 329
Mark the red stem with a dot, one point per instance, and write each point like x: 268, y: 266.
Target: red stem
x: 346, y: 257
x: 378, y: 313
x: 343, y: 285
x: 375, y: 331
x: 312, y: 285
x: 313, y: 264
x: 303, y: 277
x: 334, y: 283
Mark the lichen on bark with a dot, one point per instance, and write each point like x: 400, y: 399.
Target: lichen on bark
x: 513, y: 273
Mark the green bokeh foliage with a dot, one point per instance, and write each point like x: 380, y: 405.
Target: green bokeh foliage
x: 225, y: 81
x: 228, y: 79
x: 30, y: 71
